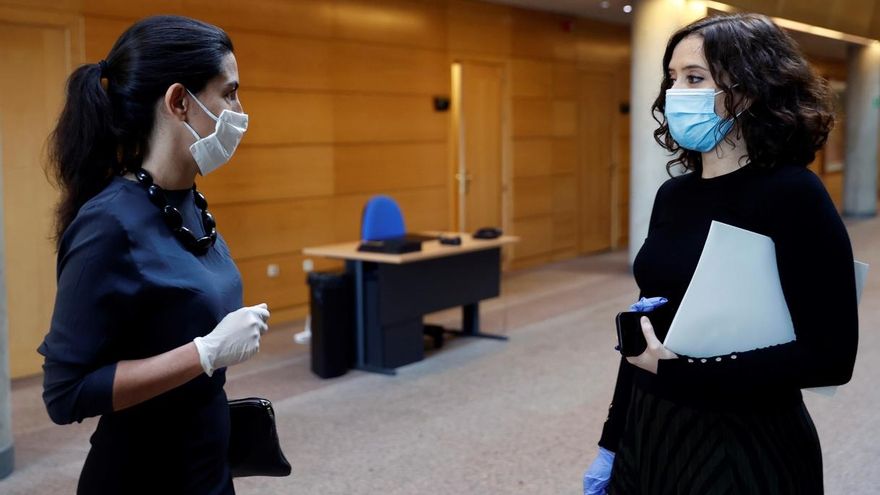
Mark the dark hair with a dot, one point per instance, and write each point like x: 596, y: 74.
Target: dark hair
x: 790, y: 110
x: 105, y: 126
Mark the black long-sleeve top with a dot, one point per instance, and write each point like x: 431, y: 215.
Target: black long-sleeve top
x: 128, y: 289
x: 790, y: 205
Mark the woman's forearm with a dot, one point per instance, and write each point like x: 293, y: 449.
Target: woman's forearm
x: 142, y: 379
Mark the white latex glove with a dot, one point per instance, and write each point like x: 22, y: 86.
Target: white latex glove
x: 234, y: 339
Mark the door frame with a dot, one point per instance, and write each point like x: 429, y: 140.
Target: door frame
x: 615, y: 164
x: 456, y: 150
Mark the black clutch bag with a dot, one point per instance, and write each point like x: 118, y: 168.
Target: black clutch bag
x: 254, y: 449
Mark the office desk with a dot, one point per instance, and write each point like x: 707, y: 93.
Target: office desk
x: 393, y: 292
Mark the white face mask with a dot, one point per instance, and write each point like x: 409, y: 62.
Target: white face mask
x: 215, y: 149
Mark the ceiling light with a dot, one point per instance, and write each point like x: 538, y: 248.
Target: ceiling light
x: 627, y: 9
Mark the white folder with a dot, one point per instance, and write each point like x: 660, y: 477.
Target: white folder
x: 734, y: 302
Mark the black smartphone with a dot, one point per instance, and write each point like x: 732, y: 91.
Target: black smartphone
x: 630, y: 339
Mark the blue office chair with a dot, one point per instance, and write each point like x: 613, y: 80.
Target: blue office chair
x: 382, y: 220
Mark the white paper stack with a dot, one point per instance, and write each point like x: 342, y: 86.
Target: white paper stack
x: 734, y: 302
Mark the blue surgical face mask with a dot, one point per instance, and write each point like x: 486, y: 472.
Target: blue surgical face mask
x: 693, y: 123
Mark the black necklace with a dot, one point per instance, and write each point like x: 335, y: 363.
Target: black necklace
x: 173, y: 218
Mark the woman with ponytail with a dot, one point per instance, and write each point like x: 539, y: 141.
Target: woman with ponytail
x: 148, y: 312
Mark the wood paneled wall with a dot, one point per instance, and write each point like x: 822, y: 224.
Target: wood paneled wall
x: 340, y: 94
x: 548, y: 54
x: 340, y: 98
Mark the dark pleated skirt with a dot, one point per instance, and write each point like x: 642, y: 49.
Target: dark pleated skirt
x: 673, y: 449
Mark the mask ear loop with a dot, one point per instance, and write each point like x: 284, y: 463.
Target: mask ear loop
x: 192, y: 131
x: 210, y: 114
x: 731, y: 120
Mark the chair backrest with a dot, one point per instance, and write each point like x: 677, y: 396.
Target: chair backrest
x: 381, y: 219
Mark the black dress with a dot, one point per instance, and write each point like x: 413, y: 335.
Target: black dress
x: 737, y: 423
x: 127, y: 289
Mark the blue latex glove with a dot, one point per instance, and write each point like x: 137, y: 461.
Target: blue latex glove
x: 597, y: 476
x: 644, y: 304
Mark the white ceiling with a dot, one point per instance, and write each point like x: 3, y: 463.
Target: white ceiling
x: 826, y: 48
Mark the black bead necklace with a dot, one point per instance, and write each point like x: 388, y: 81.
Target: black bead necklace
x: 173, y: 218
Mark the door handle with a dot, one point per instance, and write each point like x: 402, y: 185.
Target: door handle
x: 464, y: 182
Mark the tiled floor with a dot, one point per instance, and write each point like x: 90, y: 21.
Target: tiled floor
x: 478, y: 416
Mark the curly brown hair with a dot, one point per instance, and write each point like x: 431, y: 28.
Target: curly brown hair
x: 790, y: 111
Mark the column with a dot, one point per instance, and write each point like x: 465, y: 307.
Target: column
x: 654, y: 22
x: 6, y: 446
x: 862, y: 123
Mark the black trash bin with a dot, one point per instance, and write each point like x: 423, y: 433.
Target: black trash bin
x: 332, y: 313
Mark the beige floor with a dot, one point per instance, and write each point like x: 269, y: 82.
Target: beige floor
x: 479, y: 416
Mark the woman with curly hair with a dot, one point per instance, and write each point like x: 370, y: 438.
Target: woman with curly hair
x: 744, y: 114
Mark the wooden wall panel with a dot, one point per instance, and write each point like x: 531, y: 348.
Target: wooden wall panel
x: 565, y: 118
x: 530, y: 78
x: 38, y: 52
x: 378, y: 168
x: 65, y: 5
x: 536, y: 236
x: 564, y: 231
x: 534, y: 196
x: 372, y: 118
x: 281, y: 118
x: 273, y: 228
x: 272, y: 173
x: 420, y: 23
x: 279, y: 227
x: 286, y: 290
x: 101, y: 33
x: 134, y: 10
x: 565, y: 193
x: 291, y: 17
x: 532, y: 117
x: 542, y: 35
x: 384, y: 69
x: 565, y: 81
x: 814, y: 12
x: 842, y: 15
x: 281, y: 62
x: 340, y: 98
x: 834, y: 185
x: 564, y: 155
x: 532, y: 157
x: 478, y: 27
x: 600, y: 44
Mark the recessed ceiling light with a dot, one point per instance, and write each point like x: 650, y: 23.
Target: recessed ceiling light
x: 627, y: 9
x: 604, y: 4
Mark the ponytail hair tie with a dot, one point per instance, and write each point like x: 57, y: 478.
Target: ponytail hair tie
x: 103, y: 66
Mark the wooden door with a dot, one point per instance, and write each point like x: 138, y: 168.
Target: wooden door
x: 597, y: 141
x: 36, y: 59
x: 480, y: 128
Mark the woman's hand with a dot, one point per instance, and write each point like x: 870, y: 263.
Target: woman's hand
x: 649, y: 359
x: 235, y: 339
